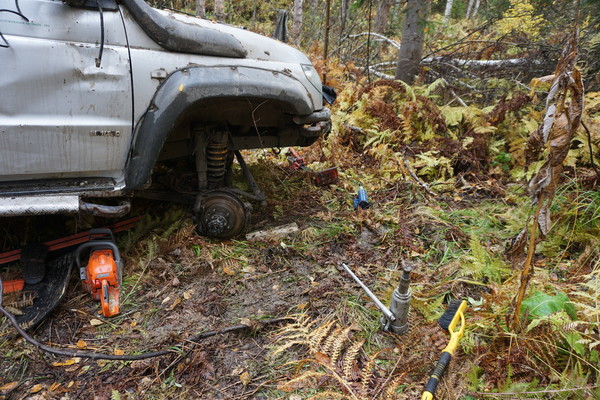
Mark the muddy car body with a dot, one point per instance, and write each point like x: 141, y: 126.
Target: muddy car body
x: 96, y: 92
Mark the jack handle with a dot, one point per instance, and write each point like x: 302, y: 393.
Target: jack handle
x: 386, y: 311
x: 295, y: 153
x: 444, y: 360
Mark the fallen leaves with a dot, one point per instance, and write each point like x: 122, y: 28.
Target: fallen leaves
x: 4, y: 389
x: 245, y: 378
x: 36, y: 388
x: 66, y: 363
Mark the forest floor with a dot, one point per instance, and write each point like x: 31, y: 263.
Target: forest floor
x: 447, y: 195
x: 178, y: 284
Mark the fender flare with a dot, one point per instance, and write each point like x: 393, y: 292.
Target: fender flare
x: 186, y: 87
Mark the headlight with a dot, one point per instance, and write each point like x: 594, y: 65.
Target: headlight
x: 312, y: 76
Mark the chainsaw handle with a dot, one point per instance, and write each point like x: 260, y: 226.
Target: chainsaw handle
x: 98, y: 245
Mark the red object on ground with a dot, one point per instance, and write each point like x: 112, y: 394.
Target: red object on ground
x: 15, y: 285
x: 296, y: 162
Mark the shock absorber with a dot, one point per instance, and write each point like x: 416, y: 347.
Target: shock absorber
x: 216, y: 163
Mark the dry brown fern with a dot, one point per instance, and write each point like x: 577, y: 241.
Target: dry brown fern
x: 350, y: 360
x: 390, y: 392
x: 339, y: 344
x: 334, y: 364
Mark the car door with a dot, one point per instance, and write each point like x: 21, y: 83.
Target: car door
x: 66, y: 108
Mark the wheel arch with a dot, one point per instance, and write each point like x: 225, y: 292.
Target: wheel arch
x: 185, y: 92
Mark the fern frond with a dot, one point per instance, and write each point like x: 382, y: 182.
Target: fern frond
x: 317, y: 337
x: 366, y: 375
x: 286, y: 346
x: 340, y: 341
x: 329, y: 342
x: 14, y: 310
x: 300, y: 381
x: 406, y: 125
x: 351, y: 358
x: 440, y: 82
x: 328, y: 395
x: 347, y: 385
x: 390, y: 392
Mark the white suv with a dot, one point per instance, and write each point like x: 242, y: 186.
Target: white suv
x: 95, y: 93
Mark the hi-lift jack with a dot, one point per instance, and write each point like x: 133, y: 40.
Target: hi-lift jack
x: 103, y: 274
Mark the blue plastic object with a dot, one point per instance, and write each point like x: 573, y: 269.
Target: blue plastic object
x: 361, y: 200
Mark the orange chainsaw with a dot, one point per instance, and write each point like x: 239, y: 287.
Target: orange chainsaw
x: 103, y: 274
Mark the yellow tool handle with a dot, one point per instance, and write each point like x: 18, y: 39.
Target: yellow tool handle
x: 446, y: 355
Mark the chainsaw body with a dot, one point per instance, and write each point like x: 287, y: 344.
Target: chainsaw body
x: 102, y: 275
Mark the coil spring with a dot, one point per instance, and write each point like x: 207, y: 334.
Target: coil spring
x: 216, y: 162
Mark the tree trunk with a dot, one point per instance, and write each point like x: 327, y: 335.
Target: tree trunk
x: 220, y: 9
x: 297, y: 27
x: 201, y: 8
x: 470, y: 8
x: 475, y: 8
x: 344, y: 15
x: 383, y: 16
x: 449, y: 4
x: 411, y: 47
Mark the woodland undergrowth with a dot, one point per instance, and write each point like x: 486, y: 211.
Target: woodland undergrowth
x: 446, y: 169
x: 449, y: 185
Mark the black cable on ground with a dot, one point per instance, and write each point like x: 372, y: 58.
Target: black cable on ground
x: 101, y: 356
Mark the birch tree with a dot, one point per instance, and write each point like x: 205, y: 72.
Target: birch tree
x: 470, y: 8
x: 411, y: 47
x: 345, y: 8
x: 475, y: 8
x: 448, y: 11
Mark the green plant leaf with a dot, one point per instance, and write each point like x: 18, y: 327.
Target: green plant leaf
x: 541, y: 304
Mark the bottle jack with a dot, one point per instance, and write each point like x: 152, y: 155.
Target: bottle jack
x: 395, y: 318
x: 399, y: 305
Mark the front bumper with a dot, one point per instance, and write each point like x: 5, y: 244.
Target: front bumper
x: 315, y: 124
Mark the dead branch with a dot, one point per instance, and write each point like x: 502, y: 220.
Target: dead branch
x: 381, y: 74
x: 416, y: 178
x: 483, y: 64
x: 379, y: 36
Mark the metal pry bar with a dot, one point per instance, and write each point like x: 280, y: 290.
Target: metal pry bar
x: 386, y: 311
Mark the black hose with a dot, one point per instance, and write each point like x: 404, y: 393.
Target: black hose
x: 100, y: 356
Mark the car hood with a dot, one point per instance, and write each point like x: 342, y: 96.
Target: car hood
x: 256, y: 46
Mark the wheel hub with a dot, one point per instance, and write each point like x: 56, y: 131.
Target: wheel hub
x: 220, y: 214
